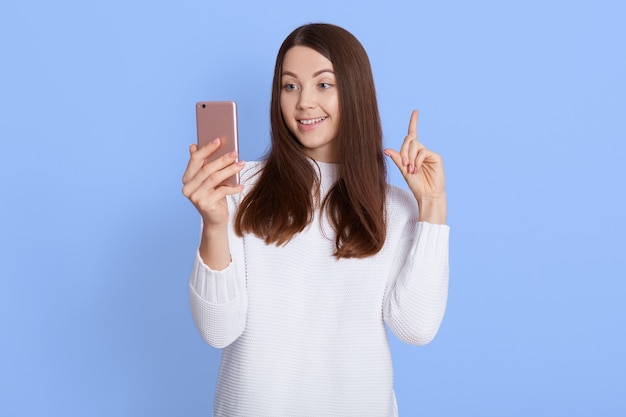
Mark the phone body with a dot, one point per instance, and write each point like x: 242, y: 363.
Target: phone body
x: 218, y: 119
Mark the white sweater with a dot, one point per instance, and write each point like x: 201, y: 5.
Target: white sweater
x: 304, y: 333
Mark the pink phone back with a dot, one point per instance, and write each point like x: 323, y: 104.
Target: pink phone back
x: 218, y: 119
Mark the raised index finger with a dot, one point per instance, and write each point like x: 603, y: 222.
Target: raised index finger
x: 413, y: 124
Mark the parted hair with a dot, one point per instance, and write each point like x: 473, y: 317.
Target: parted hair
x: 284, y: 198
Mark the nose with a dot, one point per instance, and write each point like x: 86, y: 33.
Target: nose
x: 306, y: 100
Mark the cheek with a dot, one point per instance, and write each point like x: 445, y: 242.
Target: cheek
x: 284, y: 105
x: 335, y: 109
x: 333, y: 104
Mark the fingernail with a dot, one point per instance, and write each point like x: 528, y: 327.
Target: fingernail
x: 241, y: 163
x: 233, y: 154
x: 404, y: 161
x: 214, y: 141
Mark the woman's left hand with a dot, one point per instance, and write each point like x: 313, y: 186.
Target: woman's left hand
x: 423, y: 171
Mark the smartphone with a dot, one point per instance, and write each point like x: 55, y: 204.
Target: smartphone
x: 218, y: 119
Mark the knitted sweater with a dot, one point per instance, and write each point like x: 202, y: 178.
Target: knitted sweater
x: 304, y: 333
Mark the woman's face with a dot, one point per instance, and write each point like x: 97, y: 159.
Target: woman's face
x: 309, y: 102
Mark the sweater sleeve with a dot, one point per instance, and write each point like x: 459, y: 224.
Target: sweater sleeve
x: 416, y: 298
x: 218, y: 303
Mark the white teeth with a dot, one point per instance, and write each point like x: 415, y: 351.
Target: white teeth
x: 312, y: 121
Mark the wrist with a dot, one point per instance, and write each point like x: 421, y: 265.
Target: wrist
x: 214, y: 248
x: 433, y: 210
x: 210, y: 229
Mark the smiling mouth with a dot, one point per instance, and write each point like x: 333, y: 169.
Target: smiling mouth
x: 312, y: 121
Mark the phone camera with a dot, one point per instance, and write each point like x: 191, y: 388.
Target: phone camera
x: 204, y: 106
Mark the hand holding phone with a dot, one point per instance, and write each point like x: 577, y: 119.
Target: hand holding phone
x: 218, y: 119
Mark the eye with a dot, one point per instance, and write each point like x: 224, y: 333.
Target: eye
x: 290, y: 87
x: 325, y: 86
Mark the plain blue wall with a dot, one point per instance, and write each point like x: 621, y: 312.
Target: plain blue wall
x: 524, y: 99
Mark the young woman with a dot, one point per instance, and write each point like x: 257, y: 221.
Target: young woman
x: 300, y: 268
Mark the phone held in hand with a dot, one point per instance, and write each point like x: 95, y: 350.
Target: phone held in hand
x: 218, y: 119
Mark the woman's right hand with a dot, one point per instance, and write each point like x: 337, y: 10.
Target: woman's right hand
x: 202, y: 183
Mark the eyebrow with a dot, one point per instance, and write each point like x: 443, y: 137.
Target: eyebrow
x: 315, y: 74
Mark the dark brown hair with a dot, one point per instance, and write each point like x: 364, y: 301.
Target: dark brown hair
x: 282, y: 202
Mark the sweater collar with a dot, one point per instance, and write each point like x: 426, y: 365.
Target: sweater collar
x: 328, y: 174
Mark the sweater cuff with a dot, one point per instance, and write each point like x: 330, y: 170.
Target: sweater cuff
x: 432, y: 242
x: 216, y: 287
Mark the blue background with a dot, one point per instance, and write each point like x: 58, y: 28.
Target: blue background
x: 524, y: 99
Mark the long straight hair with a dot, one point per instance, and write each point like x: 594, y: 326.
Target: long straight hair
x: 283, y: 200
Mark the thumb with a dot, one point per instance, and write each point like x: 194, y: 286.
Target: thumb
x: 395, y: 157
